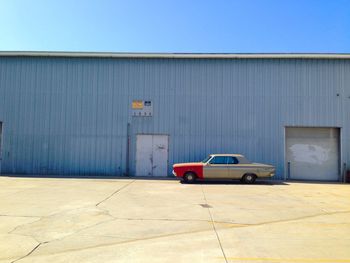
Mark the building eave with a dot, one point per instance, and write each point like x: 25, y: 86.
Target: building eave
x: 177, y: 55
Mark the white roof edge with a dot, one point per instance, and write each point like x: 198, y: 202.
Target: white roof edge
x: 173, y: 55
x: 227, y: 154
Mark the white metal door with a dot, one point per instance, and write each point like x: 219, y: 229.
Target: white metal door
x: 151, y: 155
x: 160, y: 155
x: 312, y: 153
x: 144, y: 148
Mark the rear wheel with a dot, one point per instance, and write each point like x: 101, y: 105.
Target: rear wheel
x: 189, y: 178
x: 248, y: 178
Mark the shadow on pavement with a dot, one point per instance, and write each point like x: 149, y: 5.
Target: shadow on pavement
x: 65, y: 176
x: 237, y: 182
x: 150, y: 178
x: 165, y: 178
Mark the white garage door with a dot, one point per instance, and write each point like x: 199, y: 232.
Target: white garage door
x: 151, y: 155
x: 312, y: 153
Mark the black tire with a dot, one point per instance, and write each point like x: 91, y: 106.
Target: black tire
x: 248, y: 178
x: 189, y: 178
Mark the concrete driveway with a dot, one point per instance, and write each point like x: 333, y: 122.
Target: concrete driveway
x: 127, y: 220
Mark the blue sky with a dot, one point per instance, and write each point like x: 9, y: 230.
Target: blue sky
x: 230, y: 26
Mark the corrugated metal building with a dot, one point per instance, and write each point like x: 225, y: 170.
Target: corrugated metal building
x: 84, y: 113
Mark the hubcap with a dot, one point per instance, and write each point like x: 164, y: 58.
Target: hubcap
x: 249, y: 177
x: 189, y: 177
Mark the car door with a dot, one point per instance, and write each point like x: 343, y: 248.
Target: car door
x: 216, y: 168
x: 235, y: 170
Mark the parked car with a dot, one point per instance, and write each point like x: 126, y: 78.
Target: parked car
x: 223, y: 166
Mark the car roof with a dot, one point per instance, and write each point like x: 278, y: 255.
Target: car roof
x: 227, y: 154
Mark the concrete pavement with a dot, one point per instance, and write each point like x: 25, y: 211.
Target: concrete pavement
x: 131, y: 220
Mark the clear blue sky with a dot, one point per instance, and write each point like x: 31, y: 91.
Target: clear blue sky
x: 176, y: 26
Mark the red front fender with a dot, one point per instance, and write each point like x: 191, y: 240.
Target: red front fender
x: 182, y: 168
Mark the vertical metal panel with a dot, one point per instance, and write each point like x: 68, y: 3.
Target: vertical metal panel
x: 70, y: 115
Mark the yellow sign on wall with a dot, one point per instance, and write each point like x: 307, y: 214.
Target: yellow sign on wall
x: 137, y: 104
x: 142, y: 108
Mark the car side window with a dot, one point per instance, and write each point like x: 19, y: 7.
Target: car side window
x: 219, y: 160
x: 232, y: 160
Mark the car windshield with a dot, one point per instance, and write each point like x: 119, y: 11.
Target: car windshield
x: 206, y: 159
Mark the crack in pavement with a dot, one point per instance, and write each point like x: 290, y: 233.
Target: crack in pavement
x: 55, y: 214
x: 115, y: 192
x: 154, y: 237
x: 30, y: 252
x: 135, y: 239
x: 57, y: 239
x: 48, y: 241
x: 213, y: 224
x: 113, y: 218
x: 64, y: 211
x: 131, y: 240
x: 49, y: 215
x: 161, y: 236
x: 77, y: 231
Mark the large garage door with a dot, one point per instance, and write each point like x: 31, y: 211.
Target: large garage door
x: 312, y: 153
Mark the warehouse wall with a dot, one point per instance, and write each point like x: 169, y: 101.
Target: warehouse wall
x: 70, y: 115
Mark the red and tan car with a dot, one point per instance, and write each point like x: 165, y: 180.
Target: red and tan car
x: 223, y: 166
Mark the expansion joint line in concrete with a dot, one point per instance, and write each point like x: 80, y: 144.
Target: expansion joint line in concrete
x: 19, y: 216
x: 115, y: 192
x: 213, y: 224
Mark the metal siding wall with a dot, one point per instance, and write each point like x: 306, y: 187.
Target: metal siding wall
x: 70, y: 115
x: 63, y: 116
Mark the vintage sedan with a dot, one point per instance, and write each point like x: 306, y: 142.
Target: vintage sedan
x: 223, y: 166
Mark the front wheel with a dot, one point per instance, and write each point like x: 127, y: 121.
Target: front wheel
x: 189, y: 178
x: 248, y: 178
